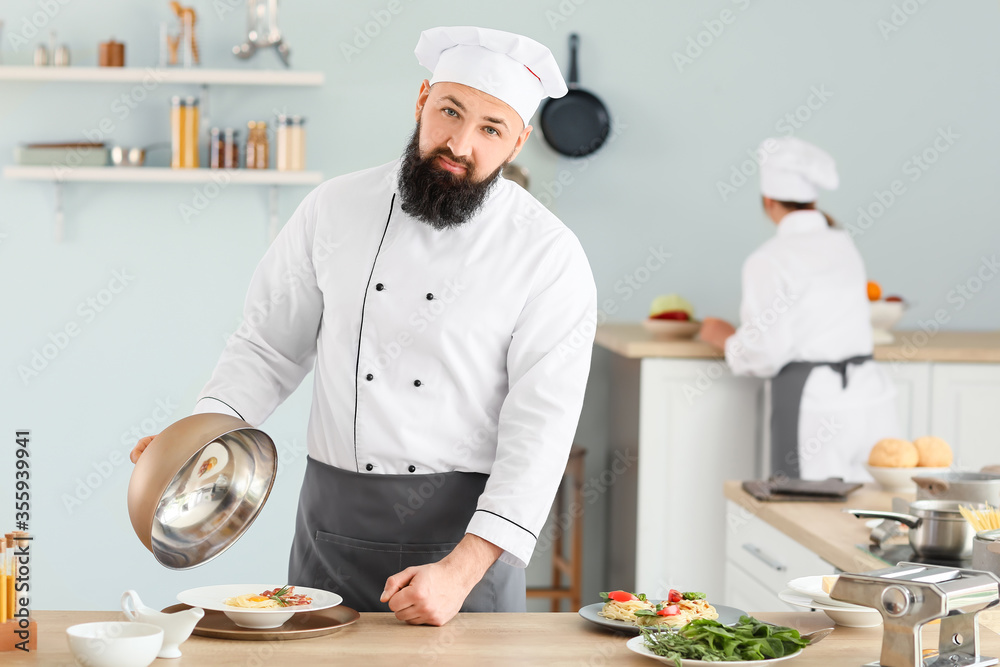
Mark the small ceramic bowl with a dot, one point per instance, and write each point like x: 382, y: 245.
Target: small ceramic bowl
x: 885, y: 315
x: 676, y: 329
x: 114, y: 643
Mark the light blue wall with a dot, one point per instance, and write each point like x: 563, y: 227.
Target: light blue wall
x: 679, y: 133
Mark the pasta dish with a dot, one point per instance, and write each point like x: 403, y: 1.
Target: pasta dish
x: 677, y: 610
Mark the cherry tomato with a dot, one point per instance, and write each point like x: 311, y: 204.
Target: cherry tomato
x: 674, y: 596
x: 621, y: 596
x: 669, y: 610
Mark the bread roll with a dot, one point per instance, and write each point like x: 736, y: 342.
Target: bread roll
x: 893, y: 453
x: 933, y: 452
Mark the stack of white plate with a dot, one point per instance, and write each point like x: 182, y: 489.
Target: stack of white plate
x: 808, y: 593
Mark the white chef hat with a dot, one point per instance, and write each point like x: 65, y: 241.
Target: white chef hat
x: 794, y: 170
x: 512, y: 68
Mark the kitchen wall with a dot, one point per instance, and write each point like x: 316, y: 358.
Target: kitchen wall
x: 902, y: 93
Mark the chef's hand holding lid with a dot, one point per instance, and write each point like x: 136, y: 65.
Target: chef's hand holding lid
x: 140, y: 447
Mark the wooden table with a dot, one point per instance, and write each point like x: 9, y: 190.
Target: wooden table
x: 469, y: 639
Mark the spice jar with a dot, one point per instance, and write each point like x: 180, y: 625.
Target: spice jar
x: 224, y: 152
x: 184, y: 132
x: 291, y: 143
x: 257, y: 147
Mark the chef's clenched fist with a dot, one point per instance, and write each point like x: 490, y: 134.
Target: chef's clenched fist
x: 432, y: 594
x: 140, y: 447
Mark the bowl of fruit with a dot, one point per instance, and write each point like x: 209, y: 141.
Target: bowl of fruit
x: 672, y: 316
x: 885, y: 313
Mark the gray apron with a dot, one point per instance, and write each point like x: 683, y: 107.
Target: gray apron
x: 353, y: 531
x: 786, y: 404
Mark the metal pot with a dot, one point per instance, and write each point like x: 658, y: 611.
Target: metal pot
x: 986, y: 551
x: 198, y: 487
x: 937, y: 528
x: 976, y: 487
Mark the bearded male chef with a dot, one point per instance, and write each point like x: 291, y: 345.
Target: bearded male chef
x: 450, y: 320
x: 806, y: 324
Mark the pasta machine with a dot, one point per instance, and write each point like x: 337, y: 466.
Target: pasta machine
x: 909, y: 596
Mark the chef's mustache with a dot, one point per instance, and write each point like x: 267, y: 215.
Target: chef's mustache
x: 445, y: 152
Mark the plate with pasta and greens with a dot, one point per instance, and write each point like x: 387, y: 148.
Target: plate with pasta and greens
x: 629, y: 612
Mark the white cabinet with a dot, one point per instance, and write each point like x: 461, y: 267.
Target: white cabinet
x: 761, y: 560
x: 913, y: 395
x: 697, y: 426
x: 966, y: 412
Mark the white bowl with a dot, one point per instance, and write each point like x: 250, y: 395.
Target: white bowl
x: 678, y: 329
x: 812, y: 587
x: 114, y: 643
x: 852, y: 618
x: 214, y: 598
x: 857, y: 617
x: 885, y: 315
x: 900, y: 480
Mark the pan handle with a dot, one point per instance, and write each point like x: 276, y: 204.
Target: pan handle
x: 574, y: 42
x: 906, y: 519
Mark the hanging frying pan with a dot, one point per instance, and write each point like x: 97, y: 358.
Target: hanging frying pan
x: 576, y: 124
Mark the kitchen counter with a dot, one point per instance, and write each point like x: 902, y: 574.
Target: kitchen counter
x: 633, y: 341
x: 477, y: 639
x: 823, y: 528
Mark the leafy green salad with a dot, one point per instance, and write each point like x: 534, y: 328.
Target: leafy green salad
x: 712, y: 641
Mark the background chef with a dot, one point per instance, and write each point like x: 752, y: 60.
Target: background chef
x: 489, y: 305
x: 805, y: 323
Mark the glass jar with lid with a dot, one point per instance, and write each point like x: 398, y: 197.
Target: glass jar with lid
x: 291, y: 143
x: 224, y: 150
x: 256, y: 153
x: 184, y: 132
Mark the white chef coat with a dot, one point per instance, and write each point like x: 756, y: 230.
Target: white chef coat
x: 805, y: 299
x: 464, y: 349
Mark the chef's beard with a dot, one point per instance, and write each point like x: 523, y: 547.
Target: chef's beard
x: 436, y: 196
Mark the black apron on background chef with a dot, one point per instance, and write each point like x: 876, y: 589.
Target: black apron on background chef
x: 806, y: 324
x: 450, y: 363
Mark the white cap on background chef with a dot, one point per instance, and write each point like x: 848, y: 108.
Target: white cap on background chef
x: 449, y: 318
x: 805, y: 323
x: 794, y: 170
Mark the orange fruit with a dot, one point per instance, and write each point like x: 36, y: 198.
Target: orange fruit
x: 874, y: 291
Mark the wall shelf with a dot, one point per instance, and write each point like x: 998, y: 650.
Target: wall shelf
x: 62, y: 175
x: 161, y: 75
x: 204, y: 78
x: 162, y: 175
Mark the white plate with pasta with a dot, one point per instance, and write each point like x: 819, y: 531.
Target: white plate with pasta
x: 687, y: 610
x: 255, y: 610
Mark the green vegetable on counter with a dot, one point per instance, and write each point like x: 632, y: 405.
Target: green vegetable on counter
x: 712, y: 641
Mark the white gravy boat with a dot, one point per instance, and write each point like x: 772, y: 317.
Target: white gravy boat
x: 177, y: 626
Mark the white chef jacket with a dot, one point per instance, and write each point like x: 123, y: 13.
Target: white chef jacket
x: 463, y: 349
x: 805, y: 299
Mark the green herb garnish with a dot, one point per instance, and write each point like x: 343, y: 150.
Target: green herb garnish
x: 279, y: 595
x: 693, y: 595
x: 712, y: 641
